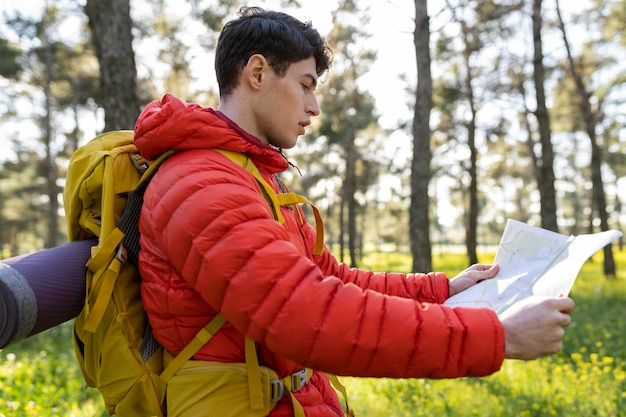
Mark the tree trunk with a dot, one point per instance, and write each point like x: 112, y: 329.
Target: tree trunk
x: 589, y: 119
x: 471, y: 238
x: 110, y: 24
x: 349, y: 189
x: 51, y: 167
x: 342, y: 227
x: 599, y: 200
x: 546, y: 178
x: 471, y: 241
x: 419, y: 219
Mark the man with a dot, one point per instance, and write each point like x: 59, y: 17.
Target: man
x: 211, y: 244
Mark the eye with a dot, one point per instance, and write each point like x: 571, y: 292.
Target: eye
x: 306, y: 87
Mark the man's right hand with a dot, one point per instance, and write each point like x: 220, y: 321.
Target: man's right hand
x: 535, y: 329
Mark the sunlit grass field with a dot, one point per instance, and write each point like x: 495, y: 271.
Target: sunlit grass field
x: 40, y: 377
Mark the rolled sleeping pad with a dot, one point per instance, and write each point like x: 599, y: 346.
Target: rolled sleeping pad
x: 41, y: 290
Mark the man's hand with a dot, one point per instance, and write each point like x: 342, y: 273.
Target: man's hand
x: 535, y: 328
x: 471, y: 276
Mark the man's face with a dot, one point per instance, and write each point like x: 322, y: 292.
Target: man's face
x: 287, y: 104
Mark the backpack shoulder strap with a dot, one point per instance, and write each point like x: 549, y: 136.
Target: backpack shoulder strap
x: 129, y: 220
x: 278, y: 200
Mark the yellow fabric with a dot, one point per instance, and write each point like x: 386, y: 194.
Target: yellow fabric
x: 208, y: 389
x: 109, y: 357
x: 255, y: 392
x: 84, y: 193
x: 110, y: 328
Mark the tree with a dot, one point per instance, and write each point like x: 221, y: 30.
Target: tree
x: 111, y: 24
x: 24, y: 218
x: 590, y: 119
x: 567, y: 121
x: 48, y: 73
x: 9, y: 68
x: 349, y: 115
x: 518, y: 79
x: 471, y: 45
x: 9, y: 53
x: 50, y: 164
x: 544, y: 170
x: 479, y: 25
x: 419, y: 216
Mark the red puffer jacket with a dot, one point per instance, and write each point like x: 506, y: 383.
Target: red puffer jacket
x: 210, y: 243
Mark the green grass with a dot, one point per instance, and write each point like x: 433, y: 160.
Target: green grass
x: 40, y: 377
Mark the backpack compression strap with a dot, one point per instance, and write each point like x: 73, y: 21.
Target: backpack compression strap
x: 202, y: 338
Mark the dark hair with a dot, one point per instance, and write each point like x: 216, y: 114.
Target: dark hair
x: 280, y: 38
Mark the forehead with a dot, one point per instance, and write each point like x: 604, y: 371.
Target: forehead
x: 306, y: 67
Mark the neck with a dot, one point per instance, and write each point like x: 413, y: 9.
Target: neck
x: 238, y: 109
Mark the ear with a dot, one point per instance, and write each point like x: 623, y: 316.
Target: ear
x: 255, y: 71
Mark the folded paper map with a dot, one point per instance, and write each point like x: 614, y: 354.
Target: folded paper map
x: 534, y: 262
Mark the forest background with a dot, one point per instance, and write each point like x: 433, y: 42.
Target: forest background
x: 520, y: 114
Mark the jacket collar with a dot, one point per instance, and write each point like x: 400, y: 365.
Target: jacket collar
x: 171, y: 123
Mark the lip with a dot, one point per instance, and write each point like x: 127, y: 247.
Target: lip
x: 303, y: 126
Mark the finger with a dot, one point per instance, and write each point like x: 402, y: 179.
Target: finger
x: 483, y: 267
x: 563, y: 305
x: 566, y: 320
x: 566, y: 305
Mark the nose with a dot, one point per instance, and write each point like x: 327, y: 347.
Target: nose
x: 312, y: 107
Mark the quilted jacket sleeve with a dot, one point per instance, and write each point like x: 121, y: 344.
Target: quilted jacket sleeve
x: 216, y: 229
x: 432, y: 287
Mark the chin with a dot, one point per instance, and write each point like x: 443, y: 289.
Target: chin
x: 285, y: 144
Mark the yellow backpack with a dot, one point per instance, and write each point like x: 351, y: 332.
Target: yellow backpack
x: 112, y: 338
